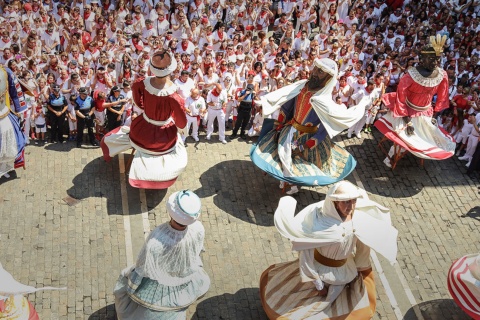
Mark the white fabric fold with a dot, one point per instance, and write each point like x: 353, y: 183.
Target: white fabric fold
x: 335, y: 118
x: 11, y: 287
x: 371, y: 221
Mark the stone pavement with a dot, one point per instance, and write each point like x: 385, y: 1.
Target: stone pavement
x: 46, y: 242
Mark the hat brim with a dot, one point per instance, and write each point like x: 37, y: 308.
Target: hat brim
x: 462, y: 286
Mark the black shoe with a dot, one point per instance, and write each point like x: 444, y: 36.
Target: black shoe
x: 243, y: 137
x: 94, y: 143
x: 233, y: 136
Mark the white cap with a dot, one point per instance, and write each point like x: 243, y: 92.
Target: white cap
x: 343, y: 191
x: 184, y: 207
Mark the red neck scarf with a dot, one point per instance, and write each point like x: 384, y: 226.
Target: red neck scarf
x: 101, y: 80
x: 362, y: 81
x: 369, y: 91
x: 184, y: 46
x: 137, y: 17
x: 342, y: 85
x: 220, y: 35
x: 86, y: 15
x: 215, y: 93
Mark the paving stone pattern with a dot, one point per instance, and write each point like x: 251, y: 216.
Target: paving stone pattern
x: 47, y: 242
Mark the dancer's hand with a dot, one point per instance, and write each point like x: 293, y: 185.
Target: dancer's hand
x: 323, y: 292
x: 298, y: 153
x: 408, y: 122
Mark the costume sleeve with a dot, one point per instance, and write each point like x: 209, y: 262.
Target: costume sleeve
x: 137, y: 94
x: 306, y: 265
x: 15, y: 93
x: 442, y: 95
x: 320, y: 135
x: 362, y: 256
x: 179, y: 114
x: 398, y: 106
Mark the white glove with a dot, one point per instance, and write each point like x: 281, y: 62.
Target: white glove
x: 318, y: 284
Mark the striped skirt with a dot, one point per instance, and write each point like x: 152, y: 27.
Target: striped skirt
x: 324, y: 164
x: 284, y: 296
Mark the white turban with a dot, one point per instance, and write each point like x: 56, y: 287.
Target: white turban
x: 184, y: 207
x: 163, y: 72
x: 343, y: 191
x: 327, y: 65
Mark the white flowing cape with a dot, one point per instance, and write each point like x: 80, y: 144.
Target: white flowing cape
x: 371, y: 221
x: 11, y: 287
x: 334, y: 117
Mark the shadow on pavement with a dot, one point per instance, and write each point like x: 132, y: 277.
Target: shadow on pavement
x: 409, y: 177
x: 473, y: 213
x: 61, y: 147
x: 102, y: 180
x: 438, y: 309
x: 106, y: 313
x: 243, y: 191
x: 13, y: 175
x: 244, y: 304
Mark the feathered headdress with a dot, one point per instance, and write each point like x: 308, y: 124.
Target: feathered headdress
x: 436, y: 44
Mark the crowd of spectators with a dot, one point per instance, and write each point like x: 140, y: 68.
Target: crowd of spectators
x: 244, y: 49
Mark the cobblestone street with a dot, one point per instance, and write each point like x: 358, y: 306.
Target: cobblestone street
x: 49, y: 239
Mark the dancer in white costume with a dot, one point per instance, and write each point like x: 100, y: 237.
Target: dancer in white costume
x: 333, y: 276
x: 168, y: 275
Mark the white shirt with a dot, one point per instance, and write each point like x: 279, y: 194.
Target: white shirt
x: 184, y: 88
x: 218, y: 101
x: 50, y: 39
x: 195, y: 105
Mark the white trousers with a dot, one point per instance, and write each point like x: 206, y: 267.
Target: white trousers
x: 191, y: 121
x: 471, y: 146
x: 220, y: 115
x: 357, y: 127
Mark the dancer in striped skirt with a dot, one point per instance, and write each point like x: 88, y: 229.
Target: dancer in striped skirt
x: 333, y: 276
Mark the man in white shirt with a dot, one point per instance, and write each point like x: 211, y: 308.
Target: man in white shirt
x: 185, y: 46
x: 219, y: 36
x: 6, y: 56
x: 370, y: 93
x: 302, y: 44
x: 50, y: 38
x: 149, y: 31
x: 89, y: 18
x: 160, y: 23
x: 184, y: 84
x: 216, y: 101
x: 194, y: 106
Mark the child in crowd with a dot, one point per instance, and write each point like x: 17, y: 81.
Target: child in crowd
x: 99, y: 99
x: 40, y: 123
x: 72, y: 118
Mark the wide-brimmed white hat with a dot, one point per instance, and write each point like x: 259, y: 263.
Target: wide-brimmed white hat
x: 464, y: 284
x: 184, y: 207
